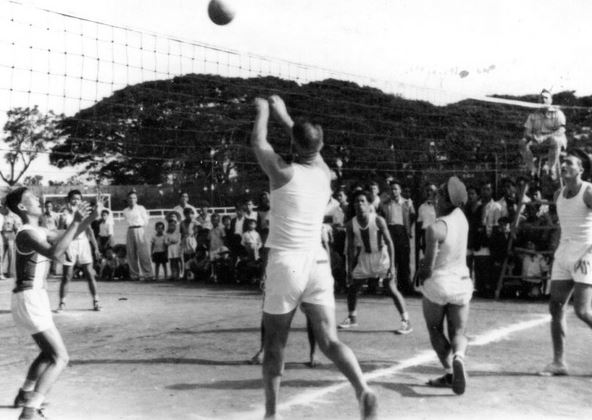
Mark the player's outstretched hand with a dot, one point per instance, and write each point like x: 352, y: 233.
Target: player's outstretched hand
x: 260, y: 104
x: 278, y: 106
x: 83, y: 210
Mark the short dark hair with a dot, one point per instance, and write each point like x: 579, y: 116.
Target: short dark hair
x: 308, y: 136
x: 397, y: 182
x: 157, y: 224
x: 72, y: 193
x: 187, y: 211
x: 105, y: 211
x: 365, y: 193
x: 13, y: 199
x: 48, y: 202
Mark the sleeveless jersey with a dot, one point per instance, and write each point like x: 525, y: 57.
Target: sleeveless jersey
x: 451, y: 259
x: 575, y: 217
x: 369, y: 238
x: 297, y: 210
x: 31, y: 268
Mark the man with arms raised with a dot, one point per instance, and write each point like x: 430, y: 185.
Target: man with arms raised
x: 30, y: 305
x: 572, y: 264
x: 298, y: 270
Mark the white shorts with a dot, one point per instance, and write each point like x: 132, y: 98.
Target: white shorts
x: 451, y: 290
x: 31, y: 311
x: 293, y: 277
x: 78, y: 252
x: 372, y: 264
x: 572, y: 262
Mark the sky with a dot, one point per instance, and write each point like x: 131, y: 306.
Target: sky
x: 447, y: 49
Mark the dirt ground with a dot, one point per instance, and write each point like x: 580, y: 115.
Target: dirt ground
x: 177, y: 351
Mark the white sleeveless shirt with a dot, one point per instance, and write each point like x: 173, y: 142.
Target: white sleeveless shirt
x: 297, y: 210
x: 575, y: 217
x: 374, y: 238
x: 451, y: 258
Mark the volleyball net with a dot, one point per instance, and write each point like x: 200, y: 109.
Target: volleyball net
x: 133, y: 100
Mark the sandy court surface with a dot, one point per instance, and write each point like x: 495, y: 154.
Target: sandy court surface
x: 176, y: 351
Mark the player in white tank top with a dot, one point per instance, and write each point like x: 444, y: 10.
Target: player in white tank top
x: 298, y: 270
x: 572, y: 264
x: 446, y: 285
x: 29, y: 304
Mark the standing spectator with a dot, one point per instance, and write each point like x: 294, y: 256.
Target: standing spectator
x: 426, y: 215
x: 78, y: 253
x: 237, y: 228
x: 485, y: 280
x: 204, y: 218
x: 263, y: 211
x: 249, y: 209
x: 10, y: 226
x: 138, y: 248
x: 545, y: 128
x: 158, y: 250
x: 183, y: 204
x: 188, y: 240
x: 227, y: 226
x: 216, y: 236
x: 251, y: 241
x: 173, y: 242
x: 105, y: 234
x: 509, y: 202
x: 473, y: 211
x: 374, y: 190
x: 399, y: 215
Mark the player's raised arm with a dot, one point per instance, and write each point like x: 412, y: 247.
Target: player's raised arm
x: 271, y: 163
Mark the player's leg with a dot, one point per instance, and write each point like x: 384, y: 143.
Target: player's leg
x: 67, y: 274
x: 352, y: 302
x: 457, y: 317
x: 582, y: 301
x: 561, y: 291
x: 322, y: 319
x: 399, y: 302
x: 89, y: 275
x: 311, y: 343
x: 277, y: 328
x: 434, y: 315
x: 46, y: 369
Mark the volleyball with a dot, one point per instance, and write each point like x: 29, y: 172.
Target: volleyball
x: 220, y: 12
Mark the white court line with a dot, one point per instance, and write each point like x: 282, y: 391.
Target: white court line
x: 426, y: 356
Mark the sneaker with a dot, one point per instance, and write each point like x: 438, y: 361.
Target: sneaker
x: 554, y: 369
x: 97, y: 306
x: 21, y: 398
x: 368, y: 406
x: 61, y: 307
x: 459, y: 375
x: 31, y: 413
x: 444, y: 381
x: 406, y: 328
x: 348, y: 322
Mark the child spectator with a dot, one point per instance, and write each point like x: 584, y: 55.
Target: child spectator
x: 251, y: 240
x: 198, y: 267
x: 188, y: 237
x: 216, y: 236
x: 109, y: 265
x: 534, y: 270
x: 226, y: 225
x: 173, y: 242
x: 122, y: 272
x: 158, y: 250
x: 105, y: 233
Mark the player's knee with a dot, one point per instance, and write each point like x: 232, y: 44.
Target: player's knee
x: 582, y: 312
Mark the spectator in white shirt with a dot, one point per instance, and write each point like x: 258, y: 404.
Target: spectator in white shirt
x: 138, y: 247
x: 183, y: 203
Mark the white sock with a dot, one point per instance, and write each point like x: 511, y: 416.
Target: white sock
x: 29, y: 385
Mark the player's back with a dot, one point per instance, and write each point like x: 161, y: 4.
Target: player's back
x: 297, y: 209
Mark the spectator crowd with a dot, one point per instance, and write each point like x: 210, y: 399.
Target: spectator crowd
x: 197, y: 244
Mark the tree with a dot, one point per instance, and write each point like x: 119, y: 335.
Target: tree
x: 28, y: 132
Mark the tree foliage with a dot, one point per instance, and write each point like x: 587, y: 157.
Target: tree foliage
x: 195, y: 129
x: 27, y: 133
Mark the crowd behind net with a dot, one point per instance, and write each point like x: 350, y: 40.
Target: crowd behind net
x: 374, y: 128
